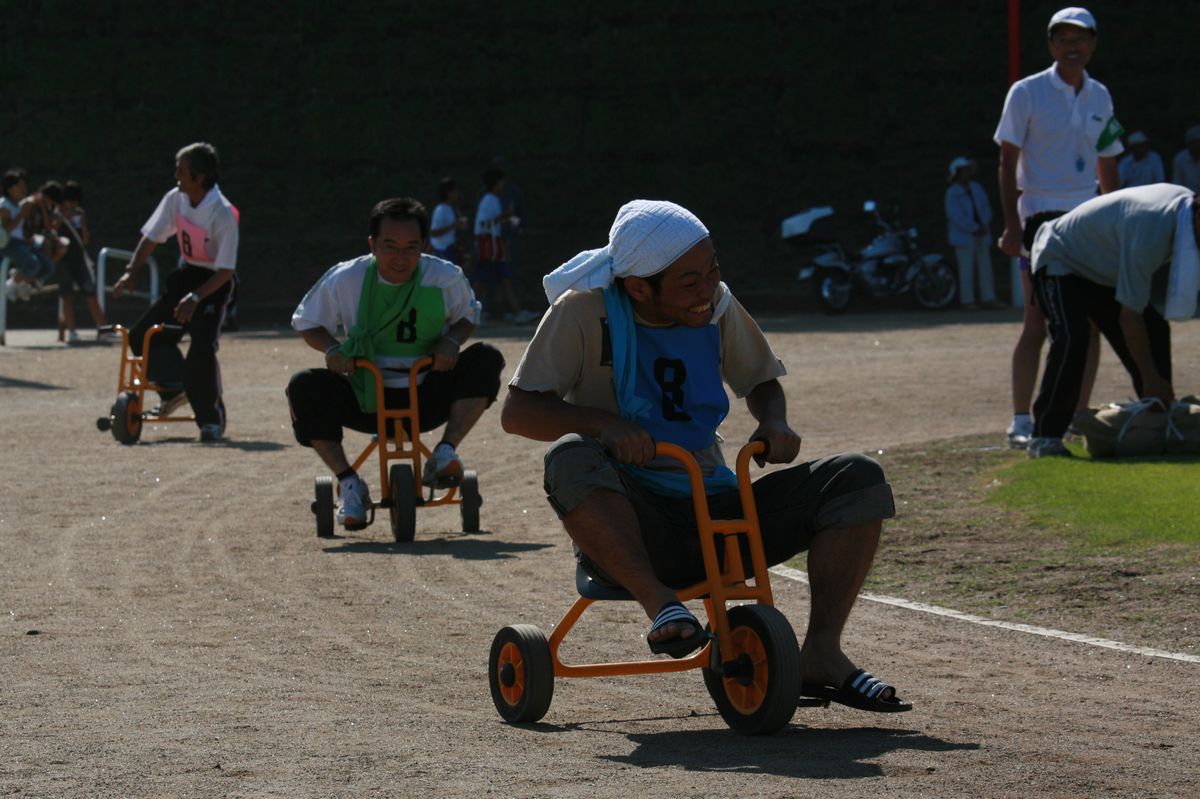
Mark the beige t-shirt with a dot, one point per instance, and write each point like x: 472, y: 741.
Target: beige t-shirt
x: 571, y: 356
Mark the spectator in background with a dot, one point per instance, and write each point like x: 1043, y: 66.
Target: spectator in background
x: 30, y: 265
x: 76, y: 270
x: 494, y: 270
x: 1185, y: 168
x: 968, y: 216
x: 1058, y: 138
x: 446, y: 222
x: 1142, y: 166
x: 513, y: 199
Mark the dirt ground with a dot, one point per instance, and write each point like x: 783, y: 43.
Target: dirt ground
x: 174, y: 628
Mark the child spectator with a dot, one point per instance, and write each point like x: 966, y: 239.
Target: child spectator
x: 493, y: 272
x: 446, y: 223
x: 75, y: 270
x: 31, y: 266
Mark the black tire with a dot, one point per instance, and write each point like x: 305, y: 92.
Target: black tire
x: 322, y: 506
x: 521, y: 673
x: 760, y: 696
x: 125, y: 418
x: 404, y: 502
x: 834, y: 290
x: 468, y: 492
x: 935, y: 286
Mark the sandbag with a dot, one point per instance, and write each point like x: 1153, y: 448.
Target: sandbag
x: 1124, y: 429
x: 1183, y: 427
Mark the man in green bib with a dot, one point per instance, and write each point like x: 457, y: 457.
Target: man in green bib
x: 397, y: 305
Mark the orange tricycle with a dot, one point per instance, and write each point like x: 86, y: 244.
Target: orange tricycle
x: 126, y: 417
x: 750, y: 663
x: 397, y: 443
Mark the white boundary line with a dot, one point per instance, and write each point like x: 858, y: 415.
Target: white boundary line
x: 801, y: 577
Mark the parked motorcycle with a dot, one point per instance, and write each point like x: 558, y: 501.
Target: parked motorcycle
x: 890, y: 265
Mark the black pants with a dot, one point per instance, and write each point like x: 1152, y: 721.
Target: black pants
x: 1070, y: 303
x: 323, y: 403
x: 199, y: 374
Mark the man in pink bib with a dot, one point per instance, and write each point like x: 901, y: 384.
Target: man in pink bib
x: 205, y: 224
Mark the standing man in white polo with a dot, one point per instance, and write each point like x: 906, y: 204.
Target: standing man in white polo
x: 1058, y: 137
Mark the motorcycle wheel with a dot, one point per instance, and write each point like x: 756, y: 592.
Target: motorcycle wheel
x: 935, y: 286
x: 834, y: 289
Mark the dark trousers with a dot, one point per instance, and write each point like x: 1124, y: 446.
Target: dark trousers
x: 323, y: 403
x: 199, y: 374
x: 1070, y: 303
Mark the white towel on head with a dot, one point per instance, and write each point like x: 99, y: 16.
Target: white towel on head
x: 646, y: 237
x: 1184, y: 282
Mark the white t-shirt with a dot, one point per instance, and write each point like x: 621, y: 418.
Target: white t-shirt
x: 333, y: 303
x: 443, y: 215
x: 215, y: 219
x: 1060, y: 134
x: 486, y: 222
x: 14, y: 210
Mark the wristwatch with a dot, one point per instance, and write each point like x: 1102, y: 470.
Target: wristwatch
x: 193, y: 296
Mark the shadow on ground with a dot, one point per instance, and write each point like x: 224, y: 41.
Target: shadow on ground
x: 797, y: 751
x: 465, y: 546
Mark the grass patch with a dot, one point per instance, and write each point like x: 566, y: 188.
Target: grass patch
x: 971, y: 534
x: 1107, y: 504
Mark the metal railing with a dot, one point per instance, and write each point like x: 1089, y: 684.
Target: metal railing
x: 102, y: 289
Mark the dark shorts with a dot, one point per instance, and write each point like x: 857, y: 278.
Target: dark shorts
x: 323, y: 403
x: 493, y: 271
x: 794, y: 504
x: 72, y: 276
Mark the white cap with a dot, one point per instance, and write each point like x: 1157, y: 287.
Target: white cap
x: 959, y: 163
x: 1079, y: 17
x: 1137, y: 137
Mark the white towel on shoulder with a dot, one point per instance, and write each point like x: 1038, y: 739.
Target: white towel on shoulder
x: 1183, y: 285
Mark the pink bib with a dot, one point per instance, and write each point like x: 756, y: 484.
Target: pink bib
x: 192, y: 239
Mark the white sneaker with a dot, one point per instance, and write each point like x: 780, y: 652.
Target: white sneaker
x: 1043, y: 447
x: 524, y: 317
x: 1020, y: 432
x: 17, y: 290
x: 73, y: 337
x: 355, y: 505
x: 443, y: 469
x: 168, y: 407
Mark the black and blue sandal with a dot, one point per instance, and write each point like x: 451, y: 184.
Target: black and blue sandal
x: 860, y: 691
x: 677, y: 646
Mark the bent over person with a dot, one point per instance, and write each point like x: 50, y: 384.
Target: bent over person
x: 636, y: 348
x: 205, y: 224
x: 397, y: 307
x: 1096, y: 266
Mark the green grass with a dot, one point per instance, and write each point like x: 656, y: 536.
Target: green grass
x: 1107, y: 503
x: 1107, y: 548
